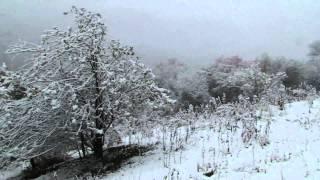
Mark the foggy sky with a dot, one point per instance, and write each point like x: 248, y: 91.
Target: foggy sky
x: 194, y: 31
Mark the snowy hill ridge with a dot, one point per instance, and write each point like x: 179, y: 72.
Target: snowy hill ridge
x: 209, y: 154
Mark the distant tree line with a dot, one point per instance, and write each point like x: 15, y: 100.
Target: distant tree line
x: 229, y: 77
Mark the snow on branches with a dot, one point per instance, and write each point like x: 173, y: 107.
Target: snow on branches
x: 241, y: 78
x: 85, y: 84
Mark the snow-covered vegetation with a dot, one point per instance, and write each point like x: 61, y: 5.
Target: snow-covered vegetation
x: 84, y: 104
x: 285, y: 147
x: 77, y: 87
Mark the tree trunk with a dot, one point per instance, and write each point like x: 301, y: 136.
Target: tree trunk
x: 32, y: 162
x: 83, y: 149
x: 98, y: 138
x: 99, y: 112
x: 98, y: 146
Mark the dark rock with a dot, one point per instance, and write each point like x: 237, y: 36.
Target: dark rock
x: 209, y: 173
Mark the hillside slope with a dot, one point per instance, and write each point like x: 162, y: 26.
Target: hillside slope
x: 292, y: 153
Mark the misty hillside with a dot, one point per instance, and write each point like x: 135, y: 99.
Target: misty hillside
x: 167, y: 90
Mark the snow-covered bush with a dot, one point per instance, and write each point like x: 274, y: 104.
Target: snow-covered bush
x: 10, y: 85
x: 244, y: 77
x: 85, y: 85
x: 168, y: 74
x: 193, y: 90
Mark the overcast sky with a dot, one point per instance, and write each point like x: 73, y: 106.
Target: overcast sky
x: 191, y: 30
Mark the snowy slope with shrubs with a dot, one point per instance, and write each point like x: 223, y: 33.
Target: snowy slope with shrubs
x: 289, y: 152
x: 84, y: 92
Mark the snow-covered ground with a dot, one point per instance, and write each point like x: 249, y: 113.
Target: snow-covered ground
x: 293, y: 152
x: 190, y: 152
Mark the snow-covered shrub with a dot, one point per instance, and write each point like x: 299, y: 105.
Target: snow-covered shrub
x: 85, y: 83
x: 240, y: 77
x: 10, y: 85
x: 168, y: 74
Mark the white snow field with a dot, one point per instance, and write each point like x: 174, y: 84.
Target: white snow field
x: 293, y: 152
